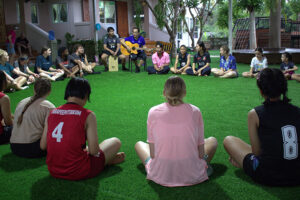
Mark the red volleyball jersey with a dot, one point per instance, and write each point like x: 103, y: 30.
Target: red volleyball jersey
x: 66, y: 139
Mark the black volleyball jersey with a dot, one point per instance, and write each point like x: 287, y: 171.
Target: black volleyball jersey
x: 182, y: 60
x: 279, y: 134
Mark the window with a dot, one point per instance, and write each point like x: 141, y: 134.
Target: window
x: 59, y: 13
x: 34, y: 14
x: 137, y: 12
x: 179, y: 29
x: 107, y: 11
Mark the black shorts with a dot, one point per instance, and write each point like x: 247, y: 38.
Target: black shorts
x: 141, y: 55
x: 5, y: 136
x: 250, y: 164
x: 109, y: 54
x: 30, y: 150
x: 265, y: 175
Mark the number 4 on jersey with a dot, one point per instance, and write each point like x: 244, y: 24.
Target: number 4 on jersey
x: 57, y: 132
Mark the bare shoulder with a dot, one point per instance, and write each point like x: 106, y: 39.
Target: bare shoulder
x: 252, y: 115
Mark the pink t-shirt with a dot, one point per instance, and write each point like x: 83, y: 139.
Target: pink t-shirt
x: 176, y: 132
x: 160, y: 61
x: 13, y: 36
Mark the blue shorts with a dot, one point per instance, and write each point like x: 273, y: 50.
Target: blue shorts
x: 10, y: 50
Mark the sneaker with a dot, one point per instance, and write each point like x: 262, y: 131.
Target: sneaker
x: 24, y: 87
x: 106, y: 69
x: 137, y: 70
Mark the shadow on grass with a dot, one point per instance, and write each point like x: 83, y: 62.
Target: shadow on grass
x: 206, y: 190
x: 219, y: 170
x: 52, y: 188
x: 283, y: 193
x: 12, y: 163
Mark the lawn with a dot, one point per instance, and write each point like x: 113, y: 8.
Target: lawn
x: 121, y: 101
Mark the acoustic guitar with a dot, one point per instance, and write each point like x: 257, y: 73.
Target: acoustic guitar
x: 134, y: 48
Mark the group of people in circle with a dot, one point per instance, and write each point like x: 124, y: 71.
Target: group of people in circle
x: 176, y: 152
x: 19, y: 75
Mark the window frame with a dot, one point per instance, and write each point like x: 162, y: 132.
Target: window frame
x: 51, y: 12
x: 37, y: 13
x: 105, y: 21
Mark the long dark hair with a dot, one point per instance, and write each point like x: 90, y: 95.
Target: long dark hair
x: 272, y: 84
x: 78, y: 87
x: 202, y: 45
x: 41, y: 87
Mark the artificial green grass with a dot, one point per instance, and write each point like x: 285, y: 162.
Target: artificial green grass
x: 121, y: 101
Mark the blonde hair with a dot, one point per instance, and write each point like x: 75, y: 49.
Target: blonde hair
x: 174, y: 90
x: 2, y: 52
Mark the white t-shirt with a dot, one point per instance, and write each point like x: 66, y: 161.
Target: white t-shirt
x: 259, y: 65
x: 32, y: 126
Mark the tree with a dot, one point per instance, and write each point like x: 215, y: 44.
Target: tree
x: 167, y: 14
x: 222, y: 14
x: 203, y: 10
x: 251, y: 6
x: 295, y: 5
x: 275, y: 23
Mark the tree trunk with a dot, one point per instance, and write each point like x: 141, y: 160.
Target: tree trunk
x: 252, y: 30
x: 275, y: 25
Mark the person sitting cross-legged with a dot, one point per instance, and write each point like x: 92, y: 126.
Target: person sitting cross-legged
x: 43, y: 66
x: 66, y: 132
x: 272, y: 158
x: 63, y: 61
x: 176, y: 153
x: 160, y: 60
x: 227, y: 65
x: 22, y: 65
x: 184, y: 61
x: 20, y: 78
x: 202, y: 60
x: 111, y: 47
x: 287, y: 67
x: 79, y: 58
x: 258, y: 63
x: 29, y: 121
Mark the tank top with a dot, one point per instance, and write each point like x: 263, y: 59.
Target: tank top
x: 279, y: 134
x: 66, y: 139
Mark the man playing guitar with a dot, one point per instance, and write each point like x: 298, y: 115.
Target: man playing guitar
x: 136, y: 38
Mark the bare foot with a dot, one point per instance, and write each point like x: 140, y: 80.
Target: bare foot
x: 233, y: 162
x: 119, y: 158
